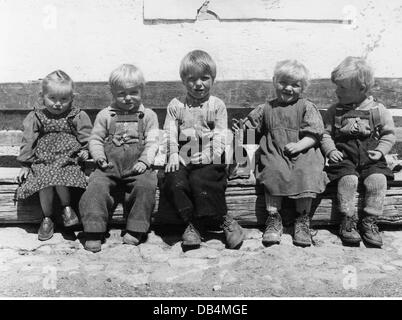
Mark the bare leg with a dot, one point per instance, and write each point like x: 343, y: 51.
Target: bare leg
x: 64, y: 195
x: 69, y: 216
x: 46, y: 200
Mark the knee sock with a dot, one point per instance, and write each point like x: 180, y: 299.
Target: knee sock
x: 347, y: 187
x: 376, y: 187
x: 303, y: 205
x: 273, y: 203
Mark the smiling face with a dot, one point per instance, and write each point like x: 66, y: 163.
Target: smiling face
x: 287, y: 89
x: 349, y: 92
x: 127, y: 97
x: 198, y: 84
x: 57, y: 98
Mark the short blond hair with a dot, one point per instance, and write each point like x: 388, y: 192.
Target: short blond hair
x: 197, y: 60
x: 58, y: 80
x: 354, y: 69
x: 126, y: 74
x: 292, y: 69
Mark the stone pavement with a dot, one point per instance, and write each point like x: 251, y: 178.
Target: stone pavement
x: 160, y: 268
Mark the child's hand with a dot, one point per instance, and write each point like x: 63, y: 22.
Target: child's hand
x: 22, y: 175
x: 139, y: 167
x: 292, y: 148
x: 103, y: 164
x: 374, y: 155
x: 199, y: 158
x: 335, y: 156
x: 174, y: 163
x: 83, y: 155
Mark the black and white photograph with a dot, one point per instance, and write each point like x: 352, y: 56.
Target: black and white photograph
x: 222, y: 151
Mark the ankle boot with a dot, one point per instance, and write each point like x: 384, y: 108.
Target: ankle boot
x: 273, y: 230
x: 192, y: 235
x: 234, y: 233
x: 46, y: 229
x: 369, y: 231
x: 348, y: 231
x: 69, y: 217
x: 93, y: 241
x: 133, y: 238
x: 301, y: 235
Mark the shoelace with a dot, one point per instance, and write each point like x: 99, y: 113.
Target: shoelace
x: 349, y: 224
x: 227, y: 224
x: 273, y: 223
x: 302, y: 225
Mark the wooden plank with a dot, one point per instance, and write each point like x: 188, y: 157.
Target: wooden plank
x: 245, y: 202
x: 235, y: 93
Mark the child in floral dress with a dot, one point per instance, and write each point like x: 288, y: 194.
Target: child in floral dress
x: 54, y: 141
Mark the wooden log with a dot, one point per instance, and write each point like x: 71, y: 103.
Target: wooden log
x: 244, y: 199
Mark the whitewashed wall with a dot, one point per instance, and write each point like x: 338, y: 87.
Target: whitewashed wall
x: 88, y: 38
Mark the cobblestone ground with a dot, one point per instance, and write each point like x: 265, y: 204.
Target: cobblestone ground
x: 61, y: 267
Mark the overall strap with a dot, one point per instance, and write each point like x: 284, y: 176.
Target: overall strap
x: 140, y: 117
x: 375, y: 117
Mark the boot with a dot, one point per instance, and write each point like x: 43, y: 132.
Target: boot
x: 234, y: 233
x: 369, y: 231
x: 46, y: 229
x: 93, y: 245
x: 93, y: 241
x: 191, y: 236
x: 301, y: 236
x: 133, y: 238
x: 273, y: 231
x: 69, y: 217
x: 348, y: 231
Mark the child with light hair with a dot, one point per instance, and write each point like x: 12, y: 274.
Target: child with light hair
x: 290, y: 162
x: 359, y: 132
x: 196, y: 178
x: 123, y: 143
x: 54, y: 142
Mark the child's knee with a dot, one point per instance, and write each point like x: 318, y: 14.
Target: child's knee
x: 375, y: 182
x: 348, y: 183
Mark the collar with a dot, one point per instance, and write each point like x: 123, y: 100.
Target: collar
x: 362, y: 105
x: 191, y: 102
x: 116, y: 110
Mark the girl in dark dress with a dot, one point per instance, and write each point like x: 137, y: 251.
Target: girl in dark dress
x: 291, y: 164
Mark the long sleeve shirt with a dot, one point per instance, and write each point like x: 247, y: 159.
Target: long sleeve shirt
x: 386, y: 128
x: 33, y: 129
x: 206, y: 123
x: 128, y: 130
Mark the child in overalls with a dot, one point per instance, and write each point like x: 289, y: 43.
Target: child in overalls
x: 123, y: 143
x: 359, y: 132
x: 54, y: 142
x: 196, y: 177
x: 290, y: 162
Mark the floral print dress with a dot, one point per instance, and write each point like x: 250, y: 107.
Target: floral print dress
x: 50, y: 147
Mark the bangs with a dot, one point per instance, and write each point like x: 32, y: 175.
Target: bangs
x: 58, y: 88
x: 291, y: 70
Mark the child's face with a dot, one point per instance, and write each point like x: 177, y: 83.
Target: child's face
x: 349, y: 92
x: 287, y: 89
x: 127, y: 97
x: 57, y: 101
x: 198, y: 84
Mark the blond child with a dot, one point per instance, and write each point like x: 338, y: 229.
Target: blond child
x: 54, y: 141
x: 196, y: 179
x: 291, y: 164
x: 123, y: 143
x: 359, y: 132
